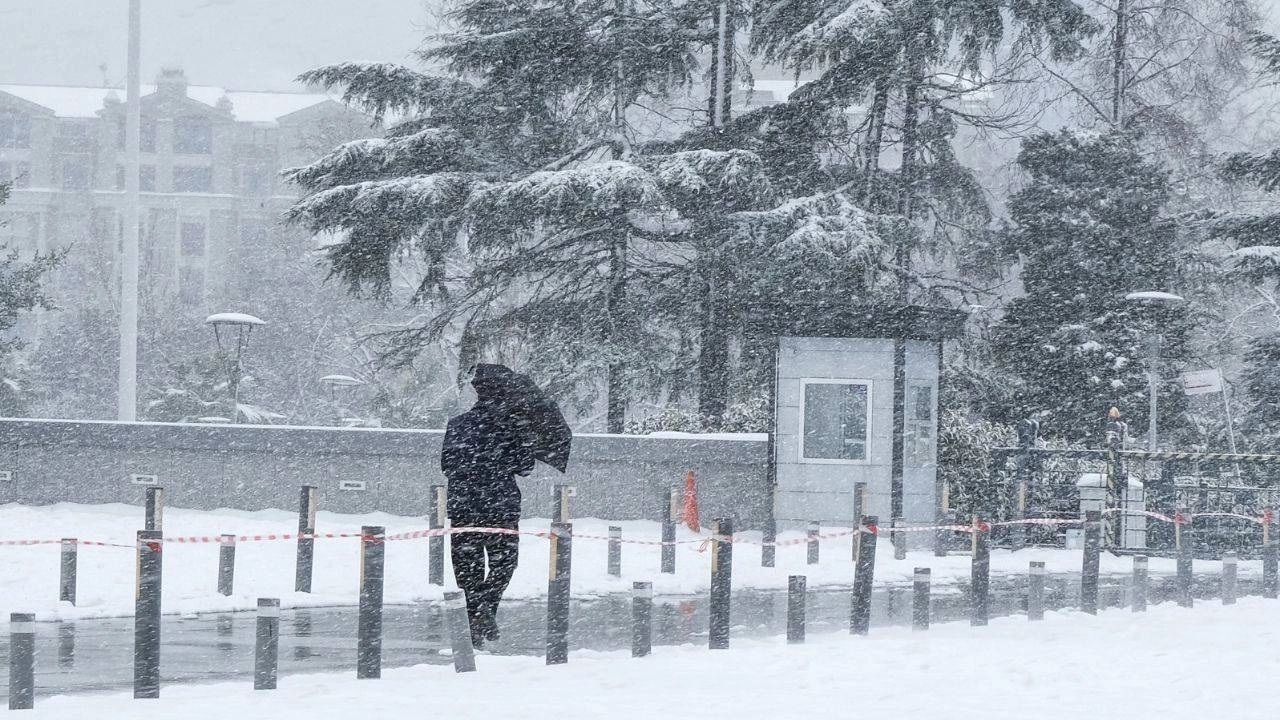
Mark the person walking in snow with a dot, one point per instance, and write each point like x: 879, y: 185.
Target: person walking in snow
x: 511, y: 426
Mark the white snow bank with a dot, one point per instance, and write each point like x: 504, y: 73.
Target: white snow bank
x: 29, y: 573
x: 1171, y: 663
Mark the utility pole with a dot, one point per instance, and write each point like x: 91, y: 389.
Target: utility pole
x: 128, y: 379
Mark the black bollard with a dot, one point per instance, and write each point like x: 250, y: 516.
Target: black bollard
x: 863, y: 576
x: 266, y: 646
x: 899, y: 539
x: 373, y: 547
x: 859, y: 507
x: 146, y: 616
x: 721, y: 582
x: 615, y: 551
x: 812, y: 537
x: 1091, y: 562
x: 1270, y: 556
x: 226, y: 563
x: 1182, y: 542
x: 558, y: 593
x: 455, y: 610
x: 1035, y: 591
x: 306, y: 539
x: 435, y: 543
x: 641, y: 619
x: 669, y: 532
x: 1140, y: 582
x: 560, y: 495
x: 980, y: 575
x: 22, y: 661
x: 154, y: 519
x: 67, y: 571
x: 1229, y: 579
x: 920, y: 599
x: 795, y: 609
x: 769, y: 543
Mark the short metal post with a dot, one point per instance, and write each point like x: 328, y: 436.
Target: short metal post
x: 795, y: 609
x: 1018, y: 533
x: 1035, y: 591
x: 1229, y: 579
x: 864, y: 571
x: 980, y: 575
x: 669, y: 532
x: 899, y: 539
x: 641, y: 619
x: 1091, y: 562
x: 306, y: 539
x: 721, y: 582
x: 615, y: 551
x: 67, y: 571
x: 373, y: 547
x: 154, y: 519
x: 146, y: 616
x: 560, y: 495
x: 1182, y: 541
x: 812, y: 541
x: 1140, y: 581
x: 226, y: 563
x: 920, y: 605
x: 1270, y: 556
x: 22, y: 661
x: 859, y: 507
x: 435, y: 543
x: 464, y: 654
x: 558, y: 593
x: 769, y: 543
x: 266, y: 647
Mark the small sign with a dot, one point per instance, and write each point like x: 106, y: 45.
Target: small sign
x: 352, y: 485
x: 137, y: 479
x: 6, y: 476
x: 1202, y: 382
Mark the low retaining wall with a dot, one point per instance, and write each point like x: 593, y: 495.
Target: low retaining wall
x: 252, y: 467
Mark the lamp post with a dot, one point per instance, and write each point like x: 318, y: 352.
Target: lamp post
x: 241, y: 326
x: 1153, y: 298
x: 127, y: 387
x: 336, y: 383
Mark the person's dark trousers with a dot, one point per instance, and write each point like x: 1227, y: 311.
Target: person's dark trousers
x: 484, y: 590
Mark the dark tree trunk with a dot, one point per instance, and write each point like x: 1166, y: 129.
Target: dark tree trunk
x: 875, y: 139
x: 616, y: 386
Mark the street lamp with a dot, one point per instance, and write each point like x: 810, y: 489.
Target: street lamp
x: 1153, y: 298
x: 335, y: 383
x: 240, y: 326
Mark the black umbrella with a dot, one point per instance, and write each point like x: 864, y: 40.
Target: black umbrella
x: 536, y: 413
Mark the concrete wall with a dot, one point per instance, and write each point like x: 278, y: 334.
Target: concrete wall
x: 257, y: 467
x: 809, y: 490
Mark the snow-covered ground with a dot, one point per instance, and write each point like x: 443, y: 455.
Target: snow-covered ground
x: 1208, y: 662
x: 29, y: 573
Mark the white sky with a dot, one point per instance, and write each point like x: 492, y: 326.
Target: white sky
x: 241, y: 44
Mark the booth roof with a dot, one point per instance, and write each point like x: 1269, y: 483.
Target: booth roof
x: 913, y: 322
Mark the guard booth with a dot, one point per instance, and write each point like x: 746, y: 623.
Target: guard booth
x: 837, y: 374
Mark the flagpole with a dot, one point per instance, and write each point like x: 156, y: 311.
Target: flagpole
x: 128, y: 372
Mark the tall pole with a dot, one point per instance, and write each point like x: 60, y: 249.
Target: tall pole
x: 1153, y: 379
x: 128, y: 380
x: 722, y: 65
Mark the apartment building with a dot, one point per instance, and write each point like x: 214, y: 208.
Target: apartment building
x: 212, y: 200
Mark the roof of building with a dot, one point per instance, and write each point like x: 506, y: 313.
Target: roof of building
x: 86, y: 102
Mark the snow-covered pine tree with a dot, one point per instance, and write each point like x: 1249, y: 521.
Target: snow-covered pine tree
x: 1089, y: 230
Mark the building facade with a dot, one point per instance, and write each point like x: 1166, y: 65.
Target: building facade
x: 212, y: 199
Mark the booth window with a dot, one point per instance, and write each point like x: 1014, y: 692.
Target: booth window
x: 920, y: 440
x: 835, y: 419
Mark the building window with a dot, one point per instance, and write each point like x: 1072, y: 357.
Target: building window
x: 146, y: 178
x: 193, y: 239
x: 22, y: 174
x: 255, y: 181
x: 920, y: 425
x: 193, y: 136
x: 192, y: 179
x: 15, y: 129
x: 835, y: 420
x: 147, y: 138
x: 76, y: 174
x: 191, y: 285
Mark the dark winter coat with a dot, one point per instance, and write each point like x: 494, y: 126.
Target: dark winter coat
x: 483, y: 451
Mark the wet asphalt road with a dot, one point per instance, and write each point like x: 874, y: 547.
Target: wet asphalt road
x: 96, y: 655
